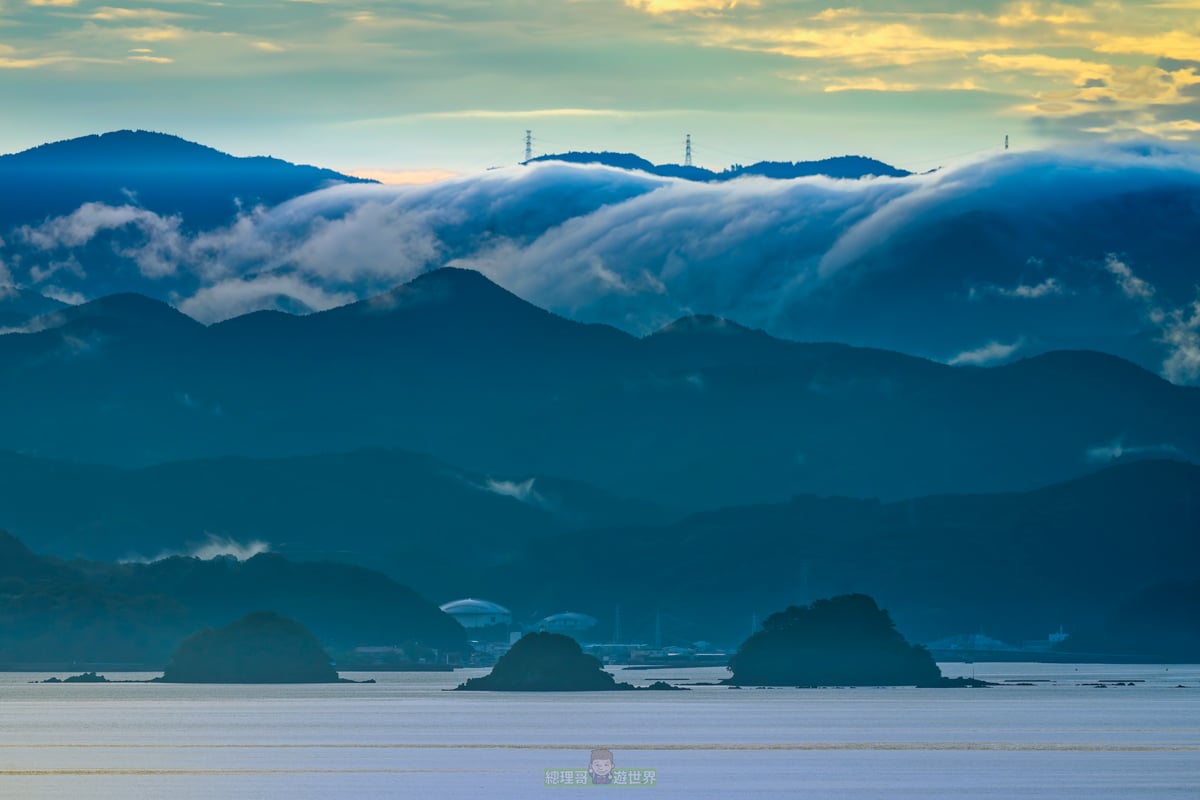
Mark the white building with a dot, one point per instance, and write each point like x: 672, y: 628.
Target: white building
x: 473, y: 613
x: 570, y: 623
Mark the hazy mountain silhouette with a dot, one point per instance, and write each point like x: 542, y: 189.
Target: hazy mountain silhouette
x: 1015, y: 566
x: 262, y: 647
x: 852, y: 167
x: 699, y: 415
x: 18, y: 306
x: 839, y: 641
x: 55, y: 611
x: 1161, y: 621
x: 424, y: 522
x: 155, y: 171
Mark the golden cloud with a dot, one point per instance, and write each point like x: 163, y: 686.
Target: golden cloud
x: 675, y: 6
x: 116, y: 14
x: 402, y: 177
x: 1020, y: 14
x: 858, y: 43
x: 1170, y: 44
x: 1076, y: 70
x: 163, y: 34
x: 869, y: 84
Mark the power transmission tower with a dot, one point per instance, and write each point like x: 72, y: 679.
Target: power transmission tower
x: 528, y: 145
x: 687, y: 151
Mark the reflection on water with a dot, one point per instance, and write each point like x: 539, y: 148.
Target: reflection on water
x: 1056, y: 730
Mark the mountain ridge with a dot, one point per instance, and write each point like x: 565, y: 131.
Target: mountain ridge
x: 838, y: 167
x: 144, y: 169
x: 485, y: 380
x: 91, y: 611
x: 1016, y: 564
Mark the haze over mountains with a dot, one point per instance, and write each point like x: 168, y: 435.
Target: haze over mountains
x: 156, y: 172
x: 599, y: 437
x: 89, y: 612
x: 701, y: 414
x: 852, y: 167
x: 1016, y: 565
x: 982, y: 262
x: 430, y: 525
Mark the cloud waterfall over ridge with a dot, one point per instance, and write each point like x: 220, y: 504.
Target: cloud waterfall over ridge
x: 1012, y: 248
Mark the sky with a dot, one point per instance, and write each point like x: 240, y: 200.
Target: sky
x: 413, y: 90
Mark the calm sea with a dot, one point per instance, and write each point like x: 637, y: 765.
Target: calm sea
x: 1063, y: 736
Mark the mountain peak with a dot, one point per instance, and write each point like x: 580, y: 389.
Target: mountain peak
x: 128, y: 150
x: 468, y: 313
x: 453, y: 277
x: 127, y: 310
x: 703, y: 324
x: 447, y: 286
x: 155, y: 171
x: 18, y: 306
x: 119, y: 150
x: 848, y: 167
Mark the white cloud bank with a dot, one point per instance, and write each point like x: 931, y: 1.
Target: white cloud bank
x: 990, y: 353
x: 213, y: 546
x: 807, y: 258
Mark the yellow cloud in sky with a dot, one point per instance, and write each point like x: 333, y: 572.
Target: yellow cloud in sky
x: 1019, y: 14
x: 115, y: 14
x: 1062, y: 58
x: 535, y: 113
x: 1178, y: 130
x: 668, y: 6
x: 1073, y: 69
x: 1169, y: 44
x: 871, y: 84
x: 859, y: 43
x: 402, y: 177
x: 164, y: 34
x: 571, y: 60
x: 7, y: 62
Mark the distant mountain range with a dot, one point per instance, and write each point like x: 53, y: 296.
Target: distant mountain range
x: 427, y: 524
x: 467, y: 441
x: 18, y: 306
x: 979, y: 263
x: 703, y: 413
x: 1013, y: 565
x: 154, y: 171
x: 1098, y: 555
x: 850, y: 167
x: 89, y: 612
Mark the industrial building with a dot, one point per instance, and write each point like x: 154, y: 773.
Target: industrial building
x: 474, y: 613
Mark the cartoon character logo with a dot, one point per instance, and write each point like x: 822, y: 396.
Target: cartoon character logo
x: 601, y: 766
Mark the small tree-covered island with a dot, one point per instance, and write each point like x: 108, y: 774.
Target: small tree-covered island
x: 843, y: 641
x: 262, y: 647
x: 550, y: 662
x: 546, y: 662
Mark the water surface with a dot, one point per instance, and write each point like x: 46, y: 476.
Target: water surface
x: 405, y: 736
